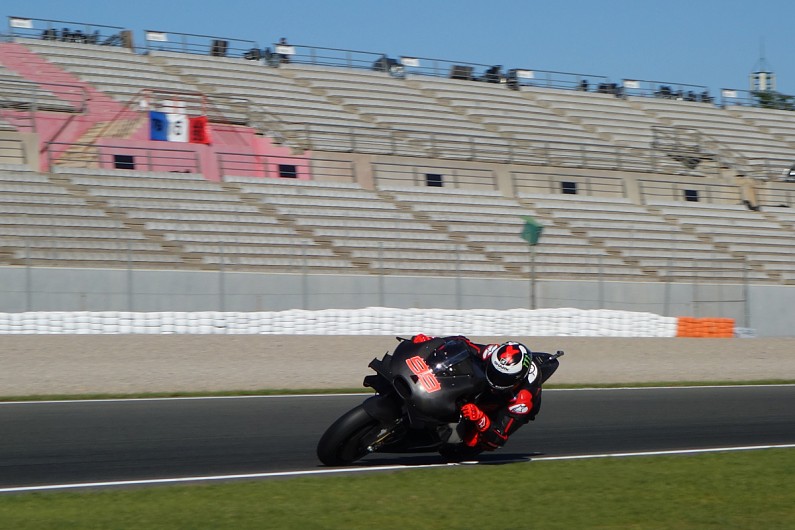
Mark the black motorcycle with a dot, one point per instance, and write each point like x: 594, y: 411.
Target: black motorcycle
x: 420, y: 389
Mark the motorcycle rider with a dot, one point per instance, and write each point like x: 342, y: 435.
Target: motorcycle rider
x: 513, y: 398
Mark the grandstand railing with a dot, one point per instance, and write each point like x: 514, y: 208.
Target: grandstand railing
x: 748, y: 98
x: 217, y: 108
x: 29, y: 96
x: 106, y: 155
x: 770, y: 168
x: 689, y: 192
x: 200, y: 44
x: 666, y: 90
x: 283, y: 53
x: 776, y: 194
x: 408, y: 142
x: 66, y: 31
x: 434, y: 175
x: 248, y: 165
x: 555, y: 184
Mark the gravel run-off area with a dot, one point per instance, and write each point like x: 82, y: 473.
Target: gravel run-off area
x: 88, y: 364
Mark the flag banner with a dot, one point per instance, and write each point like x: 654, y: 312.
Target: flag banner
x: 171, y: 127
x: 158, y: 126
x: 177, y: 128
x: 199, y: 130
x: 532, y: 230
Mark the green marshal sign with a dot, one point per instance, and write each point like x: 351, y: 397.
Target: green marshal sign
x: 532, y: 230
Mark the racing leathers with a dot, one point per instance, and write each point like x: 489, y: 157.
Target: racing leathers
x: 496, y: 414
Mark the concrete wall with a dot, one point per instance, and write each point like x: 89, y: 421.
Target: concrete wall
x: 767, y: 308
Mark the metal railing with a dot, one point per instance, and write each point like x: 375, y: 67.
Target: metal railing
x: 434, y: 176
x: 271, y: 166
x: 772, y: 169
x: 108, y: 155
x: 555, y: 183
x: 416, y: 143
x: 283, y: 53
x: 200, y: 44
x: 689, y: 191
x: 776, y: 194
x: 666, y: 90
x: 766, y: 100
x: 66, y: 31
x: 20, y: 94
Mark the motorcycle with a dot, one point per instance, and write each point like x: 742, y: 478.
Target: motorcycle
x: 419, y: 391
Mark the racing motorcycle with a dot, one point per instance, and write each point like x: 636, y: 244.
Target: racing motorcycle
x: 419, y: 391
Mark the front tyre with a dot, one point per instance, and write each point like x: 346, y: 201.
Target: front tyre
x: 348, y: 438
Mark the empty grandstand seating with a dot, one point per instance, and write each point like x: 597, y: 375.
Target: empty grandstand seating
x: 738, y: 139
x: 748, y: 235
x: 118, y: 72
x: 381, y: 221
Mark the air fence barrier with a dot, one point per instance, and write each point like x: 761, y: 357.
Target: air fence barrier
x: 370, y: 321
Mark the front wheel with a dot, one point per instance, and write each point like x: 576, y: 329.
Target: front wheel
x: 348, y: 438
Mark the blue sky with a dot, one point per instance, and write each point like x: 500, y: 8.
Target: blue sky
x: 715, y: 43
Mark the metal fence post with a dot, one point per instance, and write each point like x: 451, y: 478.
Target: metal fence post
x: 130, y: 286
x: 28, y: 279
x: 381, y: 274
x: 221, y: 279
x: 457, y: 277
x: 304, y: 279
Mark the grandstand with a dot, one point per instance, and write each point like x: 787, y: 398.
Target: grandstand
x: 329, y: 163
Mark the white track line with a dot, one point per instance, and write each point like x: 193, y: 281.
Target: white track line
x: 348, y: 470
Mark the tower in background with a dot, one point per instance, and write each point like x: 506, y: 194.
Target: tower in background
x: 762, y: 78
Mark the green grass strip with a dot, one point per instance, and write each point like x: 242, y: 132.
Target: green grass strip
x: 726, y: 491
x: 274, y: 392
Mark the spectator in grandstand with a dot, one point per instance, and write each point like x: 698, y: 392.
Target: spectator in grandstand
x: 583, y: 86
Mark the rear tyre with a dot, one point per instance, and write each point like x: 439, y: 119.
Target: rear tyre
x: 348, y: 438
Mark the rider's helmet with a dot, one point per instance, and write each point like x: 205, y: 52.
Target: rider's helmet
x: 508, y: 365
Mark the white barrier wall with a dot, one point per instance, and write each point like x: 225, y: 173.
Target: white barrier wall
x: 367, y: 321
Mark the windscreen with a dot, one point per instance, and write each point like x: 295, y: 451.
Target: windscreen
x: 451, y: 358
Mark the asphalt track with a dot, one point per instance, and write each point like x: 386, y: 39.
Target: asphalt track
x: 78, y: 442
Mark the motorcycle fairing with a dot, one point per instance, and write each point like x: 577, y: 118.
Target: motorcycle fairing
x: 448, y: 362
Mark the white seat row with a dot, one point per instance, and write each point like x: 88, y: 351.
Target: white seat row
x: 95, y: 255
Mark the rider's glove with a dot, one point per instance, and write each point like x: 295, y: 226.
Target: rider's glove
x: 471, y: 412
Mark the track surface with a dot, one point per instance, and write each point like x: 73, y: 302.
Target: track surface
x: 78, y: 442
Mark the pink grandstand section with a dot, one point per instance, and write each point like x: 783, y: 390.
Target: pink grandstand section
x: 112, y: 128
x: 58, y: 126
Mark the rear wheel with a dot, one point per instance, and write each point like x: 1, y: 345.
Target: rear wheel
x: 348, y: 438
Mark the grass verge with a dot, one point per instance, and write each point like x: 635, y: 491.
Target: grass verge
x: 724, y: 491
x: 292, y: 391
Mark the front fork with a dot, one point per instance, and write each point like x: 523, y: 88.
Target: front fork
x: 384, y: 435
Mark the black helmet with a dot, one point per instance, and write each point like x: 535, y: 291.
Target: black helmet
x: 508, y: 365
